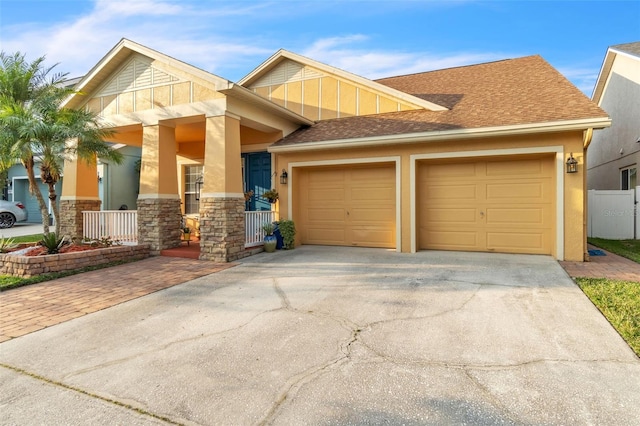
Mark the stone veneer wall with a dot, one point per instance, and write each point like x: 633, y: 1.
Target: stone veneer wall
x: 28, y: 266
x: 71, y: 215
x: 222, y: 229
x: 159, y: 223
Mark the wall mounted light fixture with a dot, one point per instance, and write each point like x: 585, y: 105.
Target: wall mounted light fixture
x: 572, y: 164
x: 284, y: 177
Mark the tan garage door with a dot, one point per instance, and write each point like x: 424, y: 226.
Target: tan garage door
x: 348, y: 206
x: 489, y: 205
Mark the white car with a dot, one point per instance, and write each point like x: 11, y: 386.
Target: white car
x: 11, y: 212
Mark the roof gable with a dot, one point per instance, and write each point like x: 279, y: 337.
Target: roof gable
x: 130, y: 65
x: 630, y: 51
x: 321, y: 92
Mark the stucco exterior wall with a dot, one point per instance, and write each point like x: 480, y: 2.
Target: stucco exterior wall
x: 573, y: 222
x: 617, y: 147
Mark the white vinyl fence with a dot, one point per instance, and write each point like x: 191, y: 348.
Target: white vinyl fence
x: 254, y: 235
x: 119, y: 225
x: 613, y: 214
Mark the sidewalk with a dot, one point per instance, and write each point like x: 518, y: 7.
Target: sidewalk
x: 610, y: 266
x: 34, y: 307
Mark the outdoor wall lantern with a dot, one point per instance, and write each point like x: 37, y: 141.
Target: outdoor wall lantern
x: 572, y: 164
x: 199, y: 183
x: 284, y: 177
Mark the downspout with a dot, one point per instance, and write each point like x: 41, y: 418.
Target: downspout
x: 588, y: 135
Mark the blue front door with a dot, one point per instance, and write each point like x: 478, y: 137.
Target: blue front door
x: 257, y: 174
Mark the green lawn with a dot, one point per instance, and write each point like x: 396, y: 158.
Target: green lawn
x: 626, y: 248
x: 619, y: 302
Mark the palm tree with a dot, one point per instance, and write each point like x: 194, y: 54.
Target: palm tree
x: 33, y: 125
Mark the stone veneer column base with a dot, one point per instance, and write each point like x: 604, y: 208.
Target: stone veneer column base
x: 159, y: 223
x: 222, y: 229
x: 71, y: 224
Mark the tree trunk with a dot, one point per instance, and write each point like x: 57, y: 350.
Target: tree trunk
x: 54, y: 206
x: 35, y: 191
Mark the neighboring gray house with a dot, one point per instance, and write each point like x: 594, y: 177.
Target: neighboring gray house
x: 118, y: 184
x: 614, y: 154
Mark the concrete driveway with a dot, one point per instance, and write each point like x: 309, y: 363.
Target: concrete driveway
x: 327, y: 335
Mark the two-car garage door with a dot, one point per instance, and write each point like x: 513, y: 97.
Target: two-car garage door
x: 489, y: 205
x: 348, y: 206
x: 497, y: 204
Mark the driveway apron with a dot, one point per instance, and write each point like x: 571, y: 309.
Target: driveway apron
x: 329, y: 335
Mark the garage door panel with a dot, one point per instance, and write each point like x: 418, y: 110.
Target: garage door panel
x: 449, y: 170
x: 535, y: 167
x: 373, y: 194
x: 451, y: 216
x: 364, y: 176
x: 533, y: 216
x: 372, y: 215
x: 325, y: 235
x: 325, y: 177
x: 515, y: 241
x: 451, y: 192
x: 326, y: 215
x: 446, y: 239
x: 326, y: 195
x: 372, y: 237
x: 517, y: 191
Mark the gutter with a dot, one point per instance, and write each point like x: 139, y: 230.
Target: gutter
x: 437, y: 136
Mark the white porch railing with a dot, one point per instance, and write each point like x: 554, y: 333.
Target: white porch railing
x: 253, y: 221
x: 121, y: 225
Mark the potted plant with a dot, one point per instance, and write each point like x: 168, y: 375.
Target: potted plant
x: 270, y: 240
x: 271, y: 195
x: 186, y: 233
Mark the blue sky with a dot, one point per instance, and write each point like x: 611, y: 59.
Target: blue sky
x: 370, y: 38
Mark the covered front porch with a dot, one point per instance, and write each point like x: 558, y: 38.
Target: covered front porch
x: 203, y: 143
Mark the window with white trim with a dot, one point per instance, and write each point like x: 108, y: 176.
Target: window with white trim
x: 191, y: 175
x: 628, y: 178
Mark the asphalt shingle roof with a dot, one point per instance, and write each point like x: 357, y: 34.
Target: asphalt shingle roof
x: 631, y: 48
x: 510, y: 92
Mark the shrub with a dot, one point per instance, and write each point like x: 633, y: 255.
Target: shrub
x: 7, y: 244
x: 52, y: 243
x: 288, y: 232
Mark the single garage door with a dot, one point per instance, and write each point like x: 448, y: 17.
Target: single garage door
x: 490, y: 205
x: 348, y: 206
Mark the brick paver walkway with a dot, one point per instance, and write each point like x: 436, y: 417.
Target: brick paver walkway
x: 34, y: 307
x: 610, y: 266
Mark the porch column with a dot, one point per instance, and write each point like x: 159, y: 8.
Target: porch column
x: 159, y: 201
x: 222, y: 199
x: 79, y: 193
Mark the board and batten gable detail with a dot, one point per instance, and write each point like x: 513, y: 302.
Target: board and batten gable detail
x: 143, y: 84
x: 320, y: 95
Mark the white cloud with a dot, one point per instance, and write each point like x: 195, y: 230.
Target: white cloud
x: 338, y: 52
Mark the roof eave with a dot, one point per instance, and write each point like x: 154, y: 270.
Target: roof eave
x: 444, y: 135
